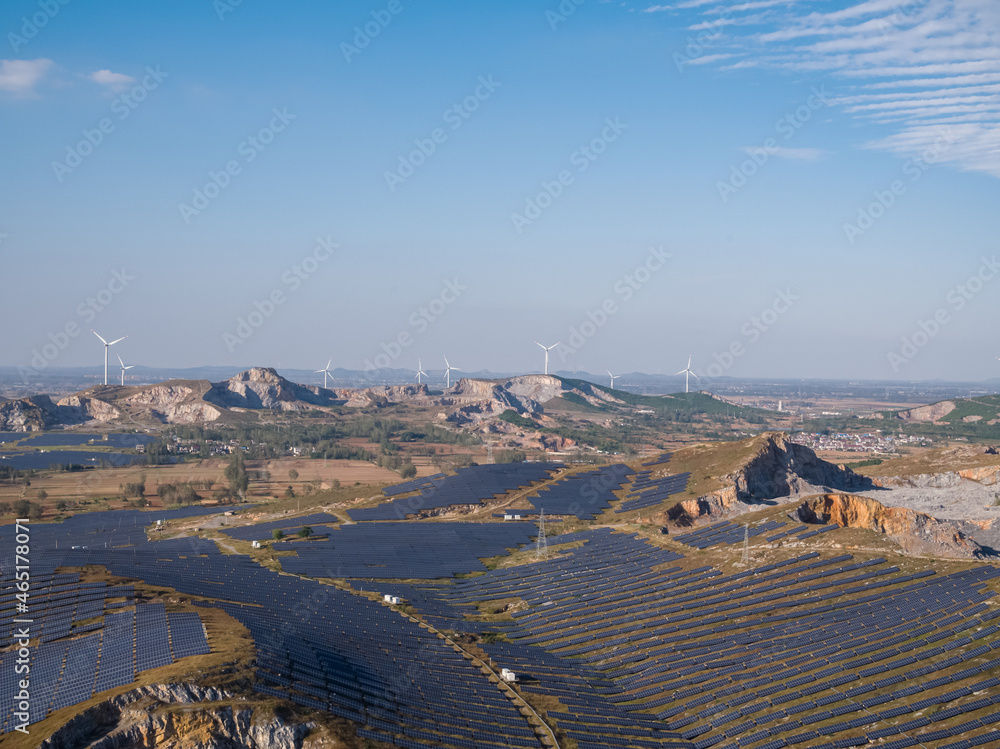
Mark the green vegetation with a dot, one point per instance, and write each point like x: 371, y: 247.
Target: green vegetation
x: 513, y: 417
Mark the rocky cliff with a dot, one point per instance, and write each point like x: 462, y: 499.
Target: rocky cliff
x: 915, y: 532
x: 37, y: 412
x: 775, y: 469
x: 263, y: 387
x: 208, y: 719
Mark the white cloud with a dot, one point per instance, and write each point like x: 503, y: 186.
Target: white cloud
x: 115, y: 81
x: 798, y: 154
x: 908, y: 65
x: 21, y: 76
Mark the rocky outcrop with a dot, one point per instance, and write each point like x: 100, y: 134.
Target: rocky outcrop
x: 263, y: 387
x: 477, y: 400
x: 931, y: 413
x: 94, y: 409
x: 36, y: 412
x: 777, y: 468
x: 137, y: 719
x: 381, y: 395
x: 781, y: 468
x: 719, y: 504
x: 915, y: 532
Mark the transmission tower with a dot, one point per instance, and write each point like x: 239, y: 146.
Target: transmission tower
x: 543, y: 546
x: 746, y: 545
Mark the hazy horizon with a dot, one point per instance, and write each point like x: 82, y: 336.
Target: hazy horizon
x: 640, y: 182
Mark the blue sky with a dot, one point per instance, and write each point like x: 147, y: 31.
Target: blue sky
x: 753, y: 142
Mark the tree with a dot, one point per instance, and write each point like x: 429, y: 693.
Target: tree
x: 293, y: 474
x: 408, y: 471
x: 236, y: 475
x: 277, y: 534
x: 61, y: 505
x: 6, y: 508
x: 305, y: 532
x: 42, y: 495
x: 289, y: 493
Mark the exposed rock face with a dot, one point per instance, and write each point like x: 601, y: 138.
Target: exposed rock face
x: 778, y: 468
x: 262, y: 387
x: 381, y: 395
x: 94, y: 408
x: 782, y: 468
x: 481, y: 399
x: 916, y: 532
x: 135, y: 720
x: 931, y: 413
x: 715, y: 505
x: 36, y: 412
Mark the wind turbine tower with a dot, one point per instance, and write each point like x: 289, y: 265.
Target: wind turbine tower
x: 325, y: 371
x: 447, y: 372
x: 613, y: 378
x: 106, y: 347
x: 123, y: 369
x: 687, y: 376
x: 547, y: 349
x: 420, y: 371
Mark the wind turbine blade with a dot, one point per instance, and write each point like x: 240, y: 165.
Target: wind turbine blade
x: 99, y: 336
x: 446, y: 362
x: 130, y: 366
x: 328, y: 364
x: 122, y: 363
x: 695, y: 376
x: 538, y: 344
x: 118, y: 341
x: 681, y: 372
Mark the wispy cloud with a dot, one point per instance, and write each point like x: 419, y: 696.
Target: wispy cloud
x: 911, y: 66
x: 21, y: 76
x: 114, y: 81
x: 798, y: 154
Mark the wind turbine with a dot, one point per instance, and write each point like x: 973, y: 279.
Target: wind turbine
x: 325, y: 371
x: 420, y: 371
x: 687, y: 375
x: 447, y: 372
x: 613, y: 378
x: 106, y: 347
x: 547, y: 350
x: 123, y: 369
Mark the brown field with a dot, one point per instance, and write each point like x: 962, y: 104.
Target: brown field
x: 100, y: 489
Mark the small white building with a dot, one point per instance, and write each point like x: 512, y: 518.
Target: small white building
x: 394, y: 600
x: 507, y: 675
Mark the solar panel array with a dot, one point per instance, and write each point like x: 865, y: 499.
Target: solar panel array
x: 728, y: 532
x: 659, y: 460
x: 818, y: 650
x: 647, y: 491
x: 585, y: 494
x: 74, y: 668
x: 403, y: 550
x: 629, y: 643
x: 412, y: 485
x: 471, y: 485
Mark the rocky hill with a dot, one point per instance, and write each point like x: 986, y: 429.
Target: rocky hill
x: 208, y: 717
x: 769, y: 468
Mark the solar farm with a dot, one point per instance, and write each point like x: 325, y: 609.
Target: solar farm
x: 617, y: 636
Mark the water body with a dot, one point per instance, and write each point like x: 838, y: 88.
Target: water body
x: 56, y: 439
x: 41, y: 460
